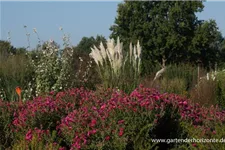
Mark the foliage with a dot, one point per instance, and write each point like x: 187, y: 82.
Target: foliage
x: 48, y: 68
x: 83, y: 73
x: 212, y: 138
x: 84, y: 46
x: 186, y: 72
x: 38, y: 139
x: 15, y: 70
x: 210, y: 89
x: 6, y: 117
x: 119, y: 116
x: 175, y: 85
x: 206, y: 43
x: 220, y: 89
x: 44, y: 112
x: 81, y: 119
x: 168, y: 29
x: 204, y: 92
x: 52, y: 70
x: 177, y: 78
x: 5, y: 50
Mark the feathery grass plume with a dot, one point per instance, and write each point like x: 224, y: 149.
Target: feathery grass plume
x: 96, y: 55
x: 118, y: 56
x: 135, y: 56
x: 103, y: 51
x: 110, y: 50
x: 113, y: 53
x: 113, y: 67
x: 139, y: 56
x: 130, y: 52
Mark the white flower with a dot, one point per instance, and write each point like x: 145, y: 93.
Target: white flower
x: 60, y: 28
x: 103, y: 51
x: 130, y: 52
x: 96, y: 55
x: 135, y: 53
x: 213, y: 77
x: 138, y: 50
x: 80, y: 59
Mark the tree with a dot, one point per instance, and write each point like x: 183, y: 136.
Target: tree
x: 165, y: 29
x: 206, y: 44
x: 87, y: 42
x: 223, y: 44
x: 222, y: 52
x: 6, y: 49
x: 20, y: 51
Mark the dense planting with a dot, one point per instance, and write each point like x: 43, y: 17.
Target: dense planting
x: 81, y: 119
x: 87, y: 96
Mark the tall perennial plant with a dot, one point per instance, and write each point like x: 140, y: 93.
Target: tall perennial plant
x: 53, y: 69
x: 113, y: 66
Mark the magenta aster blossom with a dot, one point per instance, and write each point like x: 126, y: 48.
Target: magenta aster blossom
x: 29, y: 135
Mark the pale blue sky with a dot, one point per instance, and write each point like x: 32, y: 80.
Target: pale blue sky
x: 79, y: 19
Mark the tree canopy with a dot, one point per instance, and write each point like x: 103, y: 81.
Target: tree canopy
x: 87, y: 42
x: 169, y: 30
x: 6, y: 48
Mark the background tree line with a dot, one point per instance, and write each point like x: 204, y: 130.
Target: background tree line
x: 169, y: 30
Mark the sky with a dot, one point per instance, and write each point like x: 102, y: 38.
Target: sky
x: 78, y: 19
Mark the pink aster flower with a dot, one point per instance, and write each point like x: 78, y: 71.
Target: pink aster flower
x: 121, y: 132
x: 29, y: 135
x: 120, y: 121
x: 107, y: 138
x: 93, y: 122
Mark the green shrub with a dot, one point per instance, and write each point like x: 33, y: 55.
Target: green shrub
x: 40, y: 140
x: 185, y: 72
x: 220, y: 89
x: 83, y: 73
x: 6, y: 117
x: 174, y: 85
x: 213, y: 132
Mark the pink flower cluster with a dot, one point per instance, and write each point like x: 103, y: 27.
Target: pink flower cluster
x: 84, y: 117
x: 31, y: 112
x: 93, y: 120
x: 39, y: 135
x: 38, y: 132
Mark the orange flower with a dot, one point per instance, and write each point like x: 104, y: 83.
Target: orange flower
x: 18, y: 90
